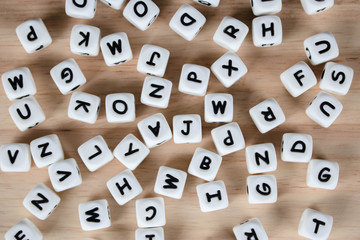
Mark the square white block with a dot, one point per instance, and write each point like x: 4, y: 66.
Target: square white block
x: 84, y: 9
x: 209, y: 3
x: 228, y: 69
x: 187, y: 128
x: 265, y: 7
x: 64, y: 175
x: 41, y: 201
x: 46, y: 150
x: 115, y: 4
x: 315, y: 6
x: 156, y: 92
x: 322, y: 174
x: 85, y: 40
x: 153, y: 60
x: 116, y: 49
x: 18, y: 83
x: 212, y: 196
x: 324, y: 109
x: 194, y: 79
x: 150, y: 212
x: 15, y: 157
x: 315, y: 225
x: 155, y: 130
x: 170, y: 182
x: 141, y: 13
x: 228, y: 138
x: 205, y: 164
x: 267, y: 31
x: 124, y: 187
x: 336, y: 78
x: 84, y: 107
x: 95, y: 153
x: 321, y: 47
x: 261, y: 158
x: 261, y: 189
x: 24, y: 229
x: 26, y: 113
x: 149, y: 234
x: 94, y: 215
x: 218, y: 107
x: 296, y: 147
x: 250, y: 229
x: 120, y: 107
x: 187, y: 22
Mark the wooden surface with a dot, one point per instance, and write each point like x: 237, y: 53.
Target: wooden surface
x: 184, y: 220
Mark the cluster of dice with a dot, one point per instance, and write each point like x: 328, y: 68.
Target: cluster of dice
x: 155, y: 130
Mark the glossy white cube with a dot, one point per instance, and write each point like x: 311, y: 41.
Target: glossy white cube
x: 170, y: 182
x: 296, y: 147
x: 321, y: 47
x: 141, y: 13
x: 261, y: 158
x: 84, y: 9
x: 336, y: 78
x: 218, y: 107
x: 261, y: 189
x: 116, y: 49
x: 267, y: 7
x: 315, y: 225
x: 85, y: 40
x: 18, y: 83
x: 250, y: 229
x: 120, y: 107
x: 15, y: 157
x: 46, y: 150
x: 205, y: 164
x: 187, y: 128
x: 84, y: 107
x: 115, y: 4
x: 150, y: 212
x: 156, y: 92
x: 228, y: 138
x: 212, y: 196
x: 24, y: 229
x: 315, y: 6
x: 194, y: 79
x: 208, y: 3
x: 64, y: 174
x: 94, y: 215
x: 149, y: 233
x: 322, y: 174
x: 267, y: 31
x: 153, y: 60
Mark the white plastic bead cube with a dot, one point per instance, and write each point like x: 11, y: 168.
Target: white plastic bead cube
x: 321, y: 47
x: 149, y: 234
x: 15, y: 157
x: 209, y: 3
x: 315, y: 225
x: 94, y: 215
x: 194, y: 79
x: 116, y: 49
x: 205, y: 164
x: 84, y: 9
x: 261, y: 189
x: 336, y: 78
x: 218, y: 107
x: 324, y: 109
x: 33, y: 35
x: 298, y: 79
x: 228, y: 69
x: 124, y: 187
x: 64, y: 175
x: 95, y: 153
x: 156, y: 92
x: 155, y: 130
x: 67, y: 76
x: 85, y: 40
x: 267, y: 115
x: 296, y: 147
x: 26, y: 113
x: 322, y: 174
x: 228, y: 138
x: 24, y: 229
x: 187, y: 128
x: 187, y: 22
x: 153, y: 60
x: 316, y: 6
x: 84, y: 107
x: 120, y: 107
x: 231, y: 33
x: 266, y: 7
x: 46, y: 150
x: 18, y: 83
x: 41, y: 201
x: 141, y: 13
x: 170, y: 182
x: 261, y: 158
x: 150, y: 212
x: 267, y: 31
x: 131, y: 152
x: 115, y: 4
x: 212, y: 196
x: 250, y: 229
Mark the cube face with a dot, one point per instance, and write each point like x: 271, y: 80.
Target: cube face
x: 15, y: 157
x: 85, y: 40
x: 26, y: 113
x: 18, y: 83
x: 322, y: 174
x: 115, y: 4
x: 314, y: 7
x: 336, y: 78
x: 84, y: 107
x: 150, y: 212
x: 95, y: 153
x: 260, y: 7
x: 267, y: 31
x: 194, y: 79
x: 116, y: 49
x: 33, y: 35
x: 187, y: 22
x: 81, y: 9
x: 261, y: 189
x: 296, y: 147
x: 153, y: 60
x: 156, y: 92
x: 261, y: 158
x: 120, y: 107
x: 67, y: 76
x: 324, y: 109
x: 187, y: 128
x: 142, y: 13
x: 218, y: 107
x: 170, y: 182
x: 267, y: 115
x: 209, y: 3
x: 212, y: 196
x: 124, y: 187
x: 41, y: 201
x: 205, y: 164
x: 94, y: 215
x: 250, y: 229
x: 228, y: 138
x: 24, y: 229
x: 315, y: 225
x: 46, y: 150
x: 64, y: 175
x: 298, y: 79
x: 149, y: 233
x: 321, y: 47
x: 231, y: 33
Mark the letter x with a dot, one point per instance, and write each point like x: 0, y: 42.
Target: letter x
x: 230, y: 67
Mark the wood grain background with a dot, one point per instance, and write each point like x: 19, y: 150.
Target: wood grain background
x: 184, y: 220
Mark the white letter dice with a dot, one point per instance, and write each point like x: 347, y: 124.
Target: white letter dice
x: 212, y: 196
x: 24, y: 229
x: 149, y: 234
x: 209, y: 3
x: 150, y: 212
x: 84, y: 107
x: 218, y: 107
x: 116, y: 49
x: 142, y: 13
x: 322, y: 174
x: 261, y: 158
x: 64, y: 174
x: 170, y: 182
x: 194, y: 79
x: 205, y: 164
x: 336, y: 78
x: 46, y: 150
x: 94, y: 215
x: 156, y: 92
x: 251, y: 229
x: 15, y: 157
x: 187, y: 128
x: 85, y: 40
x: 84, y: 9
x: 296, y: 147
x: 153, y: 60
x: 267, y: 31
x: 120, y: 107
x: 228, y: 138
x: 315, y: 225
x: 316, y: 6
x: 321, y: 47
x: 261, y: 189
x: 266, y: 7
x: 18, y: 83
